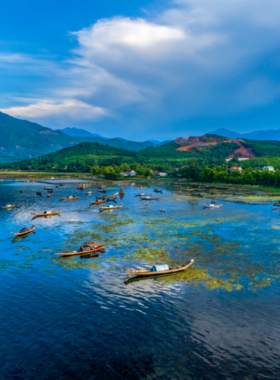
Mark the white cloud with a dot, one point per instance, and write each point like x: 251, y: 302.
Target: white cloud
x: 44, y: 109
x: 198, y: 57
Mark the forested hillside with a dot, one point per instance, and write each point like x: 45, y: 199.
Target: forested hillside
x: 21, y: 139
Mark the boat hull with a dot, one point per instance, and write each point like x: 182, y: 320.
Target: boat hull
x: 145, y: 273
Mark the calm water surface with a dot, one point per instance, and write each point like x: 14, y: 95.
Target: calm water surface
x: 84, y: 318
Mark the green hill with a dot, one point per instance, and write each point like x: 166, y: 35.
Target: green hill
x: 207, y: 149
x: 21, y: 139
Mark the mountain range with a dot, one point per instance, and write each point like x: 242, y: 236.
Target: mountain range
x: 22, y: 139
x: 270, y: 134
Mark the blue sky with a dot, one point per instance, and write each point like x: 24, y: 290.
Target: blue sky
x: 142, y: 69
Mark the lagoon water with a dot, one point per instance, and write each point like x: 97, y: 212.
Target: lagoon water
x: 82, y: 318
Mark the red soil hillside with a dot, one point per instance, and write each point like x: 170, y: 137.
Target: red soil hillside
x: 187, y: 143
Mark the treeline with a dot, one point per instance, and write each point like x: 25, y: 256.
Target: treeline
x: 194, y: 171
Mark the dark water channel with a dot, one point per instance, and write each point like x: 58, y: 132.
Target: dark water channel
x: 82, y: 318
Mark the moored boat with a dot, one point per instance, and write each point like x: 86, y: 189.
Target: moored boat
x: 148, y: 198
x: 156, y: 190
x: 70, y: 198
x: 143, y: 195
x: 46, y: 213
x: 99, y: 202
x: 24, y: 231
x: 163, y: 269
x: 89, y: 192
x: 50, y: 195
x: 212, y: 205
x: 84, y: 250
x: 7, y: 207
x: 106, y: 208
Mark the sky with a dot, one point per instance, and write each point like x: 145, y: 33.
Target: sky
x: 142, y: 69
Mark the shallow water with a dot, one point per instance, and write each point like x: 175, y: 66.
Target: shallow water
x: 84, y: 318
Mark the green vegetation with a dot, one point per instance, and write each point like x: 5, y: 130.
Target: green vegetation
x: 21, y: 139
x: 195, y: 172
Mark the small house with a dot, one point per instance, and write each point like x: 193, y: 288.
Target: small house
x: 269, y: 168
x: 157, y: 173
x: 131, y: 173
x: 236, y: 168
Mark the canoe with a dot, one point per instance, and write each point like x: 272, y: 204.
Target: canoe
x: 110, y: 207
x: 156, y: 190
x: 212, y: 206
x: 148, y: 198
x: 9, y: 206
x: 48, y: 188
x: 97, y: 203
x: 49, y: 195
x: 144, y: 272
x: 84, y: 250
x: 275, y: 208
x: 101, y: 191
x: 24, y: 231
x: 47, y: 213
x: 70, y: 198
x: 143, y: 195
x: 89, y: 192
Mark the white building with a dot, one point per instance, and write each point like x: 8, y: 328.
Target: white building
x: 131, y: 173
x: 269, y: 168
x: 157, y: 173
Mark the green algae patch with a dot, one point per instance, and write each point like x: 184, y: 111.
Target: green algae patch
x: 151, y: 255
x: 197, y: 276
x: 70, y: 263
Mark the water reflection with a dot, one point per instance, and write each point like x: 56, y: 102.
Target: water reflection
x: 218, y: 320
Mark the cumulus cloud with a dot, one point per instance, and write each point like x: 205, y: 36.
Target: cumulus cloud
x: 194, y: 58
x: 44, y: 109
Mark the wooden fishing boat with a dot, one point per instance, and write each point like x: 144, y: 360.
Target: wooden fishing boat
x: 143, y: 195
x: 212, y: 205
x: 39, y: 193
x: 144, y: 272
x: 49, y: 195
x: 70, y: 198
x: 156, y: 190
x: 84, y: 250
x: 106, y: 197
x: 24, y: 231
x: 100, y: 187
x: 106, y: 208
x: 149, y: 198
x: 7, y: 207
x: 101, y: 191
x: 97, y: 202
x: 48, y: 188
x: 89, y: 192
x: 275, y: 208
x: 46, y: 213
x: 115, y: 195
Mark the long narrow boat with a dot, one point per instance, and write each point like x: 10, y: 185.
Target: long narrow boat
x: 110, y: 207
x: 212, y: 206
x: 48, y: 188
x: 84, y: 250
x: 97, y: 202
x: 156, y: 190
x: 70, y: 198
x: 148, y: 198
x: 274, y: 208
x: 24, y: 231
x: 9, y: 206
x: 46, y: 213
x: 143, y: 195
x: 89, y: 192
x: 50, y: 195
x: 144, y: 272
